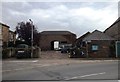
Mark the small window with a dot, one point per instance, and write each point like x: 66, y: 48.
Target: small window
x: 94, y: 47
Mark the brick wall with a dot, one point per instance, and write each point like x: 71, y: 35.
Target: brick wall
x: 5, y: 34
x: 45, y: 40
x: 103, y: 49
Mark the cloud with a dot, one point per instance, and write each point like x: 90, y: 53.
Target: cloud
x: 77, y: 17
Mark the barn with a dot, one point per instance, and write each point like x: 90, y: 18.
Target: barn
x: 51, y: 39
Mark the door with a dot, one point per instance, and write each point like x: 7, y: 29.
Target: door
x: 118, y: 49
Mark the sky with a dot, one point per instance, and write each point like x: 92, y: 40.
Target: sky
x: 76, y: 17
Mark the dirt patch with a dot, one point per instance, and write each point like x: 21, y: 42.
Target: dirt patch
x: 53, y: 55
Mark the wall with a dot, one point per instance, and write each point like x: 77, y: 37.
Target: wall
x: 103, y: 49
x: 5, y: 34
x: 12, y: 36
x: 45, y: 40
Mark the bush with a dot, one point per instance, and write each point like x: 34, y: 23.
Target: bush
x: 5, y: 53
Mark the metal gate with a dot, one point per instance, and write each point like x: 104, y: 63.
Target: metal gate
x: 117, y: 48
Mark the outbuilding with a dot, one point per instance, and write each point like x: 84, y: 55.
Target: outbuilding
x: 49, y: 40
x: 98, y: 45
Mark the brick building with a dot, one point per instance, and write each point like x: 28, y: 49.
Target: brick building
x: 79, y: 40
x: 114, y: 30
x: 12, y: 38
x: 98, y: 45
x: 4, y: 34
x: 47, y: 39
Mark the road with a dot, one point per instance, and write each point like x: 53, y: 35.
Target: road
x: 62, y: 70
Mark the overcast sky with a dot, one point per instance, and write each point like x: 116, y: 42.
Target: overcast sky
x: 77, y: 17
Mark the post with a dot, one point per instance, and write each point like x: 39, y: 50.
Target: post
x: 31, y: 38
x: 116, y: 49
x: 87, y: 49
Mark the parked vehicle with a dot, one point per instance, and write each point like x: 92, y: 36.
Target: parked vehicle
x: 65, y: 48
x: 23, y: 51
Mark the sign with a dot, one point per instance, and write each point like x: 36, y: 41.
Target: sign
x: 94, y: 47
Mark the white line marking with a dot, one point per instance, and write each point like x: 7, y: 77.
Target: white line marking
x: 23, y: 61
x: 85, y: 76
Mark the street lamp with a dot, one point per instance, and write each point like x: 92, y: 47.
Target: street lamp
x: 31, y: 38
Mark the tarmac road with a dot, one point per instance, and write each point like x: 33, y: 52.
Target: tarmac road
x: 62, y: 70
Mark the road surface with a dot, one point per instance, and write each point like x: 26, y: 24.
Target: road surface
x: 62, y: 70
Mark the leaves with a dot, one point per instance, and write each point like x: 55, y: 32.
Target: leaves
x: 24, y: 30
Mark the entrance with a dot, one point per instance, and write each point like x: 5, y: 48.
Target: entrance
x: 54, y: 45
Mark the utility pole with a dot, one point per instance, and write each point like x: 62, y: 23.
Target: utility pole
x: 31, y: 38
x: 87, y: 48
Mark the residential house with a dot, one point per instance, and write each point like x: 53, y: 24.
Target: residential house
x: 4, y: 35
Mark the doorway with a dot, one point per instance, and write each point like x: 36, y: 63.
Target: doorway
x: 54, y: 45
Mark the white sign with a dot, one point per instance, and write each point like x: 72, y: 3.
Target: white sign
x: 94, y: 47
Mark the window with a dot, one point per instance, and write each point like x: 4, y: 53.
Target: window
x: 94, y: 47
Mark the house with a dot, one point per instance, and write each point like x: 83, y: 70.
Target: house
x: 12, y: 38
x: 98, y: 45
x: 4, y: 35
x: 114, y: 31
x: 49, y: 39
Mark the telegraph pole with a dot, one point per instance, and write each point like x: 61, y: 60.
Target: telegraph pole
x: 31, y: 38
x: 87, y: 49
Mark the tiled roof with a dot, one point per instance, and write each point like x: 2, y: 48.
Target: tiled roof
x: 97, y: 35
x: 117, y: 21
x: 56, y: 32
x: 84, y: 35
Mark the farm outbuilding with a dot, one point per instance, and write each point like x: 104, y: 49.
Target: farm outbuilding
x: 49, y: 40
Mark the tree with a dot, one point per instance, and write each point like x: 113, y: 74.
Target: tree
x: 24, y: 29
